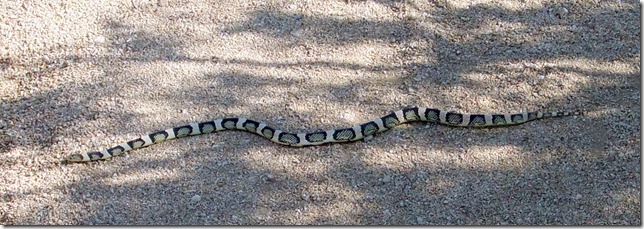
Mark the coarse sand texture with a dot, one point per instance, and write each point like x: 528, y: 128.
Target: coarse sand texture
x: 84, y: 76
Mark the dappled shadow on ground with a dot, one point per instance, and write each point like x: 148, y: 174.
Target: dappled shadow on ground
x: 580, y: 182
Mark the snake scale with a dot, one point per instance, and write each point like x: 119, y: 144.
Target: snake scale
x: 363, y: 131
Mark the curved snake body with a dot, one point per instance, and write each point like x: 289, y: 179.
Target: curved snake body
x: 357, y: 132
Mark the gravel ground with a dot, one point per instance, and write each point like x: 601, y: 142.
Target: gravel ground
x: 85, y: 75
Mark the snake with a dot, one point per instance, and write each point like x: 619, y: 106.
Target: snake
x: 364, y: 131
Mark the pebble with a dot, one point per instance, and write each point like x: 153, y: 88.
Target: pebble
x: 297, y: 32
x: 402, y: 204
x: 196, y: 198
x: 268, y: 177
x: 99, y: 39
x: 386, y: 213
x: 386, y: 179
x: 235, y: 217
x: 420, y: 220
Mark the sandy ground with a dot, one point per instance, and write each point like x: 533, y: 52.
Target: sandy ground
x: 84, y: 75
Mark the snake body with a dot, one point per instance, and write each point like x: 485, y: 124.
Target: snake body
x: 357, y: 132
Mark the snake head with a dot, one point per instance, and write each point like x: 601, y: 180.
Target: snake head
x: 75, y: 157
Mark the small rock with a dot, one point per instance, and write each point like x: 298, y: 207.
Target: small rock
x: 349, y: 116
x: 578, y: 196
x: 420, y: 220
x: 100, y: 39
x: 268, y: 177
x: 196, y: 198
x: 386, y: 213
x: 386, y: 179
x: 220, y: 183
x: 297, y: 32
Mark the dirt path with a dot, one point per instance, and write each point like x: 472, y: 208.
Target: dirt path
x: 84, y: 75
